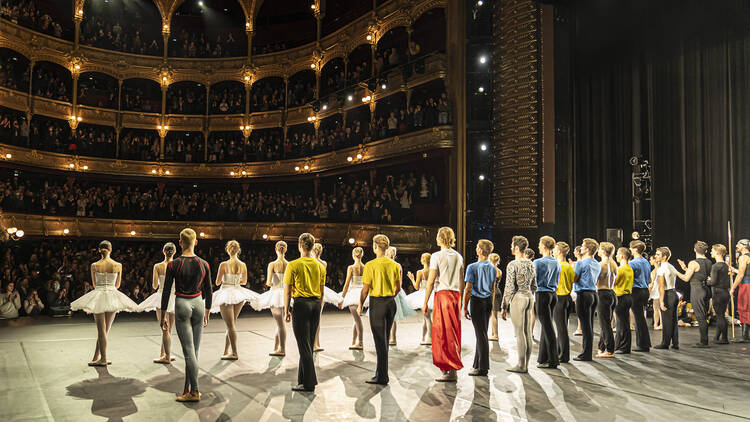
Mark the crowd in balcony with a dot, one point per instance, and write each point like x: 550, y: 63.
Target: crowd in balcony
x: 128, y: 35
x: 227, y: 100
x: 188, y: 43
x: 14, y: 73
x: 267, y: 95
x: 97, y: 92
x: 389, y: 199
x: 50, y: 84
x: 392, y: 119
x: 186, y: 100
x: 27, y: 13
x: 46, y: 275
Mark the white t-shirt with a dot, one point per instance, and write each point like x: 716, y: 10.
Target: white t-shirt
x: 669, y: 273
x: 448, y: 263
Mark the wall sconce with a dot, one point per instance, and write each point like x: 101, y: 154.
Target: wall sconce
x: 15, y: 233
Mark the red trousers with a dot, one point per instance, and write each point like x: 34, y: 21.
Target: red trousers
x: 743, y: 301
x: 446, y: 330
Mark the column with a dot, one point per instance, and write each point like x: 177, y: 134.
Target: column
x: 163, y: 131
x: 118, y: 118
x: 206, y: 125
x: 77, y: 18
x: 249, y: 34
x: 456, y: 86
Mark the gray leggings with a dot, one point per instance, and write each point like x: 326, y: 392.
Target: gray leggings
x: 189, y: 323
x: 521, y: 310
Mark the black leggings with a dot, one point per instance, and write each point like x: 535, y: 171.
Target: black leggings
x: 563, y: 307
x: 585, y: 306
x: 721, y: 301
x: 699, y: 300
x: 382, y: 312
x: 640, y: 301
x: 669, y: 319
x: 606, y: 307
x: 622, y: 310
x: 545, y: 304
x: 480, y: 319
x: 305, y: 320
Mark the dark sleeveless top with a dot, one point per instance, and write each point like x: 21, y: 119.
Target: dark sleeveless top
x: 720, y: 276
x: 704, y: 270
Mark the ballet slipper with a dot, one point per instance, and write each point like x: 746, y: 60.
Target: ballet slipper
x: 230, y: 357
x: 279, y: 354
x: 99, y: 363
x: 355, y: 347
x: 164, y: 360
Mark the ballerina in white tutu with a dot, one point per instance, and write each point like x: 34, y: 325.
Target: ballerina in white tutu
x: 328, y: 294
x: 403, y: 310
x: 105, y: 300
x: 231, y: 296
x: 153, y: 302
x: 273, y: 299
x: 351, y: 293
x: 416, y: 299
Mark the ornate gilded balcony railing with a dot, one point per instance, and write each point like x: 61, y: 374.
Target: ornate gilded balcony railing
x: 435, y: 68
x: 406, y: 238
x: 364, y: 30
x: 439, y: 137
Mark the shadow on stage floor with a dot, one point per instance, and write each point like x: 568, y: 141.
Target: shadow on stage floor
x: 44, y: 361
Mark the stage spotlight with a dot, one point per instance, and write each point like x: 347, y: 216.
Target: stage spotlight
x: 383, y: 86
x: 483, y: 147
x: 480, y: 3
x: 349, y: 97
x: 481, y: 177
x: 483, y: 59
x: 200, y: 3
x: 325, y: 107
x: 481, y: 89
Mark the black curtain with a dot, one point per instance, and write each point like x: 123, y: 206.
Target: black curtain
x: 673, y: 86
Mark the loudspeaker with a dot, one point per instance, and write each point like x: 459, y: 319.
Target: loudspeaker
x: 614, y: 236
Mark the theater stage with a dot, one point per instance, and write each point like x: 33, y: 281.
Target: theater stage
x: 45, y: 377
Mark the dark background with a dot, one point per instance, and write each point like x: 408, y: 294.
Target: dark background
x: 667, y: 80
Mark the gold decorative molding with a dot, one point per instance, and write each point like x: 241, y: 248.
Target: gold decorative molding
x: 517, y: 123
x: 435, y: 68
x: 441, y: 137
x: 406, y: 238
x: 41, y: 47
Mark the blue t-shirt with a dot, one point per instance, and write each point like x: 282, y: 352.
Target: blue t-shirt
x: 587, y: 270
x: 641, y: 272
x: 481, y: 275
x: 547, y: 274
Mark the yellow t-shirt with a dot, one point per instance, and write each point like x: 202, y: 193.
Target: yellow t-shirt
x: 306, y: 277
x: 567, y: 276
x: 624, y: 281
x: 381, y: 274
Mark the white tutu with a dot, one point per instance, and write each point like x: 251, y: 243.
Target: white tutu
x: 331, y: 297
x: 273, y: 298
x: 416, y: 299
x: 153, y: 302
x: 352, y: 297
x: 103, y: 299
x: 232, y: 295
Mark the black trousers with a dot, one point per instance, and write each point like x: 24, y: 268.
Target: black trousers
x: 669, y: 319
x: 699, y: 300
x: 721, y: 301
x: 562, y: 310
x: 545, y: 305
x: 605, y: 309
x: 640, y: 298
x: 305, y: 320
x: 382, y: 311
x: 585, y: 306
x: 481, y: 308
x: 623, y: 339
